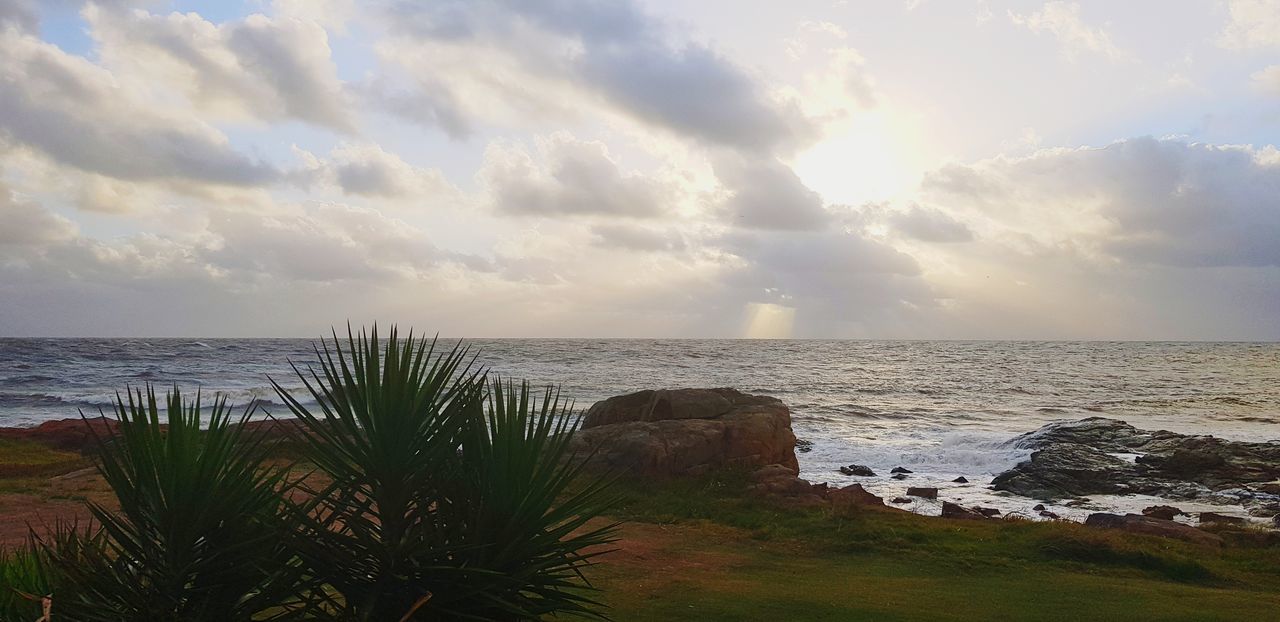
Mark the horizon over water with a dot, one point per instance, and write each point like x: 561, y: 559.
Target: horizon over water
x: 940, y: 408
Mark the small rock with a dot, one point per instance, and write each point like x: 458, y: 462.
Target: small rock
x: 1048, y: 514
x: 952, y: 510
x: 1275, y: 521
x: 988, y: 512
x: 804, y: 446
x: 1039, y: 507
x: 900, y: 476
x: 900, y: 500
x: 960, y: 480
x: 923, y: 493
x: 1214, y: 517
x: 1166, y: 512
x: 901, y: 470
x: 858, y: 469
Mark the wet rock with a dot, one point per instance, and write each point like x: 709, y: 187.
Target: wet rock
x: 858, y: 470
x: 854, y: 494
x: 954, y: 510
x: 988, y: 512
x: 1271, y: 488
x: 1075, y: 459
x: 922, y: 492
x: 686, y: 432
x: 899, y: 476
x: 1275, y: 521
x: 1137, y: 523
x: 901, y: 470
x: 900, y: 500
x: 1167, y: 512
x: 960, y: 480
x: 1049, y: 515
x: 1039, y: 507
x: 1214, y: 517
x: 804, y: 446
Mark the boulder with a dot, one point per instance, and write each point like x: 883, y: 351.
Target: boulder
x: 922, y: 492
x: 1149, y: 525
x: 1166, y: 512
x: 988, y: 512
x: 677, y: 432
x: 900, y: 500
x: 854, y: 494
x: 1049, y: 515
x: 1039, y: 507
x: 901, y: 470
x: 804, y: 446
x: 954, y: 510
x: 1214, y: 517
x: 858, y: 469
x: 960, y: 480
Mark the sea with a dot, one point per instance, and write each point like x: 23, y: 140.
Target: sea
x: 942, y: 409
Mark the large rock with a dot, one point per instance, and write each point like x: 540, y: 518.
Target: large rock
x: 1078, y: 458
x: 1149, y: 525
x: 686, y: 432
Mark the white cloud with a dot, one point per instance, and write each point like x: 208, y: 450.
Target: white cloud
x: 1063, y: 21
x: 1251, y: 24
x: 569, y: 176
x: 27, y: 223
x: 259, y: 68
x: 78, y: 114
x: 1267, y: 80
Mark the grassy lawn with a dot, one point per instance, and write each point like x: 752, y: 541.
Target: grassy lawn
x: 701, y: 550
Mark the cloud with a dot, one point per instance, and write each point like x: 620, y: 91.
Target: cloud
x: 78, y: 114
x: 1062, y: 20
x: 612, y: 52
x: 1143, y: 200
x: 1251, y: 24
x: 366, y: 169
x: 1267, y: 80
x: 21, y: 14
x: 27, y: 223
x: 930, y: 225
x: 255, y: 68
x: 767, y: 194
x: 569, y: 177
x: 637, y: 238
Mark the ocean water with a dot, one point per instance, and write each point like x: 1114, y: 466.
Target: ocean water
x: 940, y: 408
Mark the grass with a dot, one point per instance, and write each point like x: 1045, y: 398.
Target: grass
x: 21, y: 458
x: 701, y: 548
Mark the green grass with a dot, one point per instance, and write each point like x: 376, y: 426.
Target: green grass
x: 31, y: 459
x: 711, y: 552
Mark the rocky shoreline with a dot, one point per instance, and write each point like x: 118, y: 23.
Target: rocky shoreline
x: 688, y: 432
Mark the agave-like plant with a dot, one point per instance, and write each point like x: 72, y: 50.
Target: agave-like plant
x: 196, y: 536
x: 447, y: 500
x: 24, y: 584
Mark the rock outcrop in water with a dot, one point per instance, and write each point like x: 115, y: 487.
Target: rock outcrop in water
x: 687, y: 431
x: 1105, y: 456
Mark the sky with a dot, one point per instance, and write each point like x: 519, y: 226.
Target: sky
x: 909, y: 169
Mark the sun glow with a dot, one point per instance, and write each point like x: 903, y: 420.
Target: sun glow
x: 769, y: 321
x: 865, y: 158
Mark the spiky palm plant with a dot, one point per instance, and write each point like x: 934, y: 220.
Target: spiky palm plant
x: 196, y: 536
x: 24, y: 581
x: 442, y: 504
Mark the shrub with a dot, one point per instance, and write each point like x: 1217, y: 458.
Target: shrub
x: 449, y: 497
x: 196, y: 536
